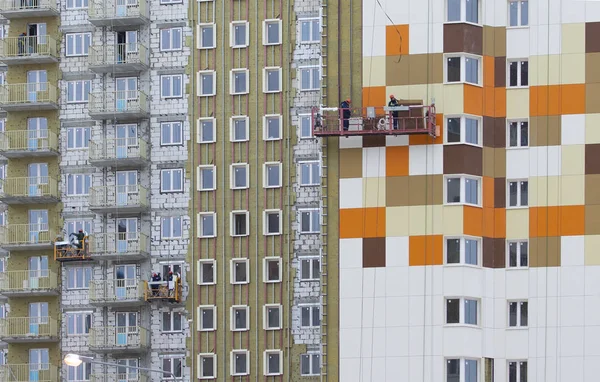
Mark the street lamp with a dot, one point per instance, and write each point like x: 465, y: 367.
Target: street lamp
x: 75, y: 360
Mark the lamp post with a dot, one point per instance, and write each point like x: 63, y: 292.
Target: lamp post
x: 76, y: 360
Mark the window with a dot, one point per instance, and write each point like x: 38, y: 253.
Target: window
x: 272, y: 80
x: 239, y: 37
x: 206, y: 36
x: 272, y: 32
x: 240, y: 362
x: 78, y: 44
x: 239, y: 129
x: 240, y: 176
x: 75, y: 226
x: 310, y: 268
x: 463, y: 11
x: 239, y: 81
x: 518, y: 134
x: 310, y: 316
x: 272, y: 175
x: 78, y: 138
x: 310, y: 78
x: 2, y: 125
x: 517, y: 371
x: 171, y: 86
x: 166, y: 2
x: 78, y: 91
x: 462, y: 189
x: 207, y: 83
x: 518, y: 74
x: 310, y: 364
x: 207, y: 224
x: 171, y: 133
x: 305, y: 127
x: 171, y: 180
x: 171, y: 39
x: 206, y: 130
x: 77, y: 4
x: 272, y: 317
x: 463, y: 130
x: 272, y: 127
x: 462, y: 311
x: 309, y: 221
x: 463, y: 68
x: 518, y: 13
x: 310, y: 173
x: 207, y: 366
x: 78, y: 184
x: 240, y: 317
x: 463, y: 251
x: 518, y: 254
x: 171, y: 227
x: 309, y: 30
x: 518, y: 193
x: 272, y: 222
x: 462, y: 370
x: 172, y: 322
x: 79, y: 323
x: 273, y: 362
x: 207, y: 272
x: 240, y: 271
x: 208, y: 318
x: 80, y: 373
x: 240, y: 222
x: 272, y: 269
x: 173, y: 365
x: 207, y: 178
x: 518, y: 314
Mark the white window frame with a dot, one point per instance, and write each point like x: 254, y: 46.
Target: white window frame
x: 301, y: 119
x: 232, y: 36
x: 311, y: 72
x: 77, y: 180
x: 76, y: 4
x: 266, y: 120
x: 172, y: 91
x: 518, y: 369
x: 266, y: 72
x: 172, y: 224
x: 171, y: 40
x: 201, y: 28
x: 266, y: 166
x: 519, y: 13
x: 310, y: 164
x: 310, y: 308
x: 202, y: 356
x: 266, y: 262
x: 200, y: 224
x: 72, y: 90
x: 463, y: 13
x: 517, y: 244
x: 310, y: 21
x: 86, y: 369
x: 200, y: 136
x: 462, y: 367
x: 463, y: 129
x: 461, y: 311
x: 463, y: 77
x: 519, y: 304
x: 266, y: 308
x: 78, y: 316
x: 232, y: 169
x: 266, y: 213
x: 266, y: 24
x: 70, y: 39
x: 199, y: 88
x: 173, y: 173
x: 73, y: 132
x: 518, y: 122
x: 232, y: 74
x: 311, y: 360
x: 519, y: 73
x: 313, y: 230
x: 232, y: 323
x: 462, y: 251
x: 266, y: 354
x: 169, y: 2
x: 463, y: 178
x: 201, y: 310
x: 519, y: 183
x: 233, y: 271
x: 232, y: 129
x: 232, y: 362
x: 200, y: 177
x: 172, y: 126
x: 172, y: 367
x: 232, y: 215
x: 309, y: 260
x: 171, y: 314
x: 201, y: 271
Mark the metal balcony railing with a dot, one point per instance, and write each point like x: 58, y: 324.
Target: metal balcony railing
x: 27, y: 141
x: 118, y: 196
x: 118, y: 149
x: 115, y: 337
x: 27, y: 234
x: 111, y: 9
x: 119, y: 244
x: 120, y: 377
x: 29, y: 93
x: 28, y: 327
x: 116, y: 291
x: 39, y: 372
x: 29, y: 187
x: 28, y: 46
x: 118, y: 54
x: 14, y: 282
x: 118, y: 101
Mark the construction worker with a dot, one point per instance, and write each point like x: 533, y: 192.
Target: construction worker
x: 394, y: 103
x: 346, y: 113
x: 79, y: 236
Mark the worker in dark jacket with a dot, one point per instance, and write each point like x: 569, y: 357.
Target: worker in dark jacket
x: 79, y: 236
x: 394, y: 103
x: 346, y: 113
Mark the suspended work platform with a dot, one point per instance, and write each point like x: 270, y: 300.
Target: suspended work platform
x: 397, y: 120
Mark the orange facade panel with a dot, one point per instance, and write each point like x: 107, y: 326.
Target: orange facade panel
x: 396, y: 161
x: 425, y: 250
x: 362, y: 222
x: 556, y: 221
x: 557, y: 100
x: 374, y: 95
x: 396, y: 40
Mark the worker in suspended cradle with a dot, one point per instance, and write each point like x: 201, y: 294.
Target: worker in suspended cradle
x: 346, y: 113
x: 393, y: 103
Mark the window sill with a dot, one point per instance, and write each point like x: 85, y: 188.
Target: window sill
x: 517, y: 269
x: 517, y: 87
x: 207, y: 237
x: 240, y: 330
x: 205, y: 284
x: 517, y: 207
x: 239, y: 46
x: 518, y: 27
x: 462, y: 326
x: 272, y: 44
x: 204, y: 142
x: 463, y: 143
x: 461, y: 265
x: 273, y: 234
x: 517, y: 328
x: 272, y: 139
x: 238, y: 93
x: 462, y: 83
x: 463, y: 204
x: 517, y: 147
x: 239, y: 141
x: 272, y: 281
x: 272, y: 187
x: 207, y: 47
x: 241, y: 283
x: 272, y: 91
x: 207, y: 330
x: 207, y: 95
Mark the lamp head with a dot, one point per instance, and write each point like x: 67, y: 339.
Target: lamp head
x: 73, y: 360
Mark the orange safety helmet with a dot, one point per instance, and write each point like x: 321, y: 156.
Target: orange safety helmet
x: 392, y: 96
x: 348, y: 100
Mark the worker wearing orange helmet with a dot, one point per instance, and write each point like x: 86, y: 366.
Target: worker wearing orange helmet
x: 346, y: 113
x: 394, y: 103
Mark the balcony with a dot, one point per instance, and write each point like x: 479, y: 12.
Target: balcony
x: 126, y: 153
x: 28, y: 372
x: 18, y: 9
x: 28, y: 329
x: 27, y: 237
x: 119, y: 377
x: 163, y: 290
x: 27, y: 144
x: 28, y: 283
x: 119, y: 339
x: 119, y: 246
x: 104, y: 13
x: 26, y: 50
x: 121, y: 292
x: 29, y: 190
x: 122, y: 199
x: 120, y: 105
x: 29, y: 97
x: 118, y: 58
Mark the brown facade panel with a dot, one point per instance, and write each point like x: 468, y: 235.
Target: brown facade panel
x: 500, y: 162
x: 592, y: 68
x: 373, y: 252
x: 462, y: 37
x: 545, y: 131
x: 592, y: 97
x: 489, y: 160
x: 463, y: 159
x: 500, y: 72
x: 592, y: 219
x: 396, y: 191
x: 592, y: 40
x: 592, y: 159
x: 499, y: 192
x: 351, y: 163
x: 494, y: 252
x: 374, y: 141
x: 414, y: 69
x: 544, y: 251
x: 592, y: 189
x: 500, y: 42
x: 425, y: 190
x: 494, y: 132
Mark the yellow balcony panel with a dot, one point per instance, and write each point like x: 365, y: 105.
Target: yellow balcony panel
x: 163, y: 291
x: 31, y: 96
x: 119, y: 105
x: 28, y: 372
x: 27, y: 144
x: 18, y: 9
x: 113, y: 13
x: 28, y: 329
x: 132, y: 199
x: 119, y: 377
x: 29, y: 190
x: 130, y: 58
x: 27, y: 237
x: 119, y: 292
x: 125, y: 153
x: 26, y: 50
x: 119, y: 339
x: 28, y: 283
x: 119, y: 246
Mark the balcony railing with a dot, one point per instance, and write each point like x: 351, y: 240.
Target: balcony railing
x: 23, y: 329
x: 118, y: 104
x: 133, y: 198
x: 121, y: 291
x: 119, y: 377
x: 38, y: 372
x: 115, y: 338
x: 127, y: 151
x: 34, y: 189
x: 27, y: 236
x: 118, y: 58
x: 13, y: 9
x: 28, y: 143
x: 29, y: 96
x: 120, y: 245
x: 30, y: 282
x: 28, y: 49
x: 111, y: 12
